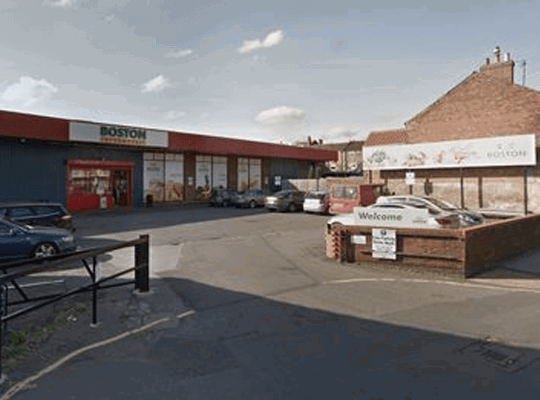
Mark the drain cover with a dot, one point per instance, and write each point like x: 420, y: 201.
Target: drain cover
x: 499, y: 356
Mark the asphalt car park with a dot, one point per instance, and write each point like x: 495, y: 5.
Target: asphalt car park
x: 269, y: 307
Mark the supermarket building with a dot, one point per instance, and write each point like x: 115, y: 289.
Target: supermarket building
x: 88, y: 165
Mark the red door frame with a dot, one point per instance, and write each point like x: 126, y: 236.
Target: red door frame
x: 101, y: 164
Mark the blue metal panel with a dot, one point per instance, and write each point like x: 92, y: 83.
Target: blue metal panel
x: 33, y: 171
x: 287, y: 169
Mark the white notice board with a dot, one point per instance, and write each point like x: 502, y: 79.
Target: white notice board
x: 383, y: 243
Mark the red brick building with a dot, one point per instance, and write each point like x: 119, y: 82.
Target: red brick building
x: 485, y: 109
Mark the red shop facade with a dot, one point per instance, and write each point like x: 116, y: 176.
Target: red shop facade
x: 94, y: 184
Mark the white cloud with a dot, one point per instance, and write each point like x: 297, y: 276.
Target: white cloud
x: 342, y: 133
x: 178, y: 53
x: 109, y: 18
x: 28, y: 91
x: 155, y: 85
x: 61, y: 3
x: 281, y: 115
x: 175, y: 114
x: 272, y: 39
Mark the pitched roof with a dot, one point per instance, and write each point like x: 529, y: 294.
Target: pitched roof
x: 354, y: 145
x: 379, y: 138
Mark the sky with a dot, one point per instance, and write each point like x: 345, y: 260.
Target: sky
x: 273, y: 71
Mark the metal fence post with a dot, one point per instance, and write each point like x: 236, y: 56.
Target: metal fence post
x: 94, y: 291
x: 142, y: 257
x: 3, y: 311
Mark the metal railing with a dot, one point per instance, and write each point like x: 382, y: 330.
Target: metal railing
x: 19, y: 269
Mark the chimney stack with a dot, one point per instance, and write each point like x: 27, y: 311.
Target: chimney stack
x: 500, y: 69
x: 497, y: 53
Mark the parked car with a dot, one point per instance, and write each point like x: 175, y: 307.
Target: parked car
x: 24, y: 241
x: 40, y: 214
x: 467, y: 217
x: 436, y: 219
x: 317, y: 202
x: 222, y: 197
x: 285, y: 200
x: 250, y: 198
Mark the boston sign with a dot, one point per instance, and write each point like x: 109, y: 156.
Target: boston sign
x: 118, y: 135
x: 127, y: 133
x: 481, y: 152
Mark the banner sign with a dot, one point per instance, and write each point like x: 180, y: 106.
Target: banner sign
x: 120, y: 135
x: 484, y: 152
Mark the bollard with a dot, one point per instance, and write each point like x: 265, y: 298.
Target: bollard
x: 142, y: 264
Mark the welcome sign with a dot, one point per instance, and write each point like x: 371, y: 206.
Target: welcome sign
x: 114, y: 134
x: 391, y: 217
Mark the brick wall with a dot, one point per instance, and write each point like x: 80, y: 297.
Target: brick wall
x: 485, y: 104
x: 232, y: 172
x: 463, y: 252
x: 189, y: 172
x: 488, y: 244
x: 489, y: 188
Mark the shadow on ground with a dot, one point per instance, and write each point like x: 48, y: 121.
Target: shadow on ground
x: 241, y: 346
x: 520, y: 266
x: 100, y: 223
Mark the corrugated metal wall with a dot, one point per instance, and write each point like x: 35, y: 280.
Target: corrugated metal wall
x: 34, y: 171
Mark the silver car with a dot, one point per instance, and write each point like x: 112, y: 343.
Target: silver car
x: 317, y: 202
x: 466, y: 217
x: 251, y: 199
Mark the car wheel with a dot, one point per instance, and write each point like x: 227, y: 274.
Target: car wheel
x: 252, y: 204
x: 292, y: 207
x: 45, y: 250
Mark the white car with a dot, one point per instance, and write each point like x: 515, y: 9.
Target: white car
x: 317, y: 202
x: 435, y: 220
x: 466, y: 217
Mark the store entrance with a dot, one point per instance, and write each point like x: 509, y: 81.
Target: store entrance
x: 119, y: 183
x: 94, y: 184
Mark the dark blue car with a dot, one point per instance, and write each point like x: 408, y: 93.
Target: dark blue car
x: 23, y: 241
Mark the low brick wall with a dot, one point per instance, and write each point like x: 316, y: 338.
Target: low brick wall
x: 464, y: 252
x: 488, y: 244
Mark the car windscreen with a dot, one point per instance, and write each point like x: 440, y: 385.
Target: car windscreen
x: 283, y: 193
x: 19, y: 224
x: 442, y: 204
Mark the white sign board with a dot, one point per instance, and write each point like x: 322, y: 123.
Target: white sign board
x: 358, y: 239
x: 409, y: 178
x: 383, y: 243
x: 119, y: 135
x: 484, y: 152
x: 392, y: 217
